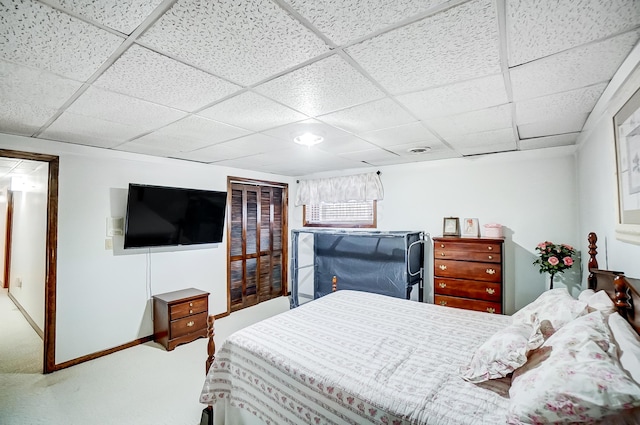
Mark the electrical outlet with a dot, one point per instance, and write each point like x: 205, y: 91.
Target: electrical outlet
x: 108, y: 244
x: 18, y: 282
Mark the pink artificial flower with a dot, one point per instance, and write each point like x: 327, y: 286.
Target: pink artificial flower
x: 569, y: 247
x: 553, y: 261
x: 542, y: 245
x: 568, y: 261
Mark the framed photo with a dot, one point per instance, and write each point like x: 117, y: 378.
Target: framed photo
x: 451, y: 226
x: 470, y: 227
x: 627, y: 139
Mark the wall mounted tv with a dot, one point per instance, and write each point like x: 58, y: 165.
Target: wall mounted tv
x: 171, y: 216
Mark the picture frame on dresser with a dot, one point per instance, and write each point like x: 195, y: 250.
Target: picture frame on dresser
x: 627, y: 146
x: 451, y: 226
x: 470, y: 228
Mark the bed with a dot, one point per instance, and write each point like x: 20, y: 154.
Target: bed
x: 354, y: 358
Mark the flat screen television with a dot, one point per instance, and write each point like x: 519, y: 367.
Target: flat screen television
x: 171, y: 216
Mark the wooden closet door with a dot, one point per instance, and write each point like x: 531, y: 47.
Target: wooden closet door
x: 257, y: 251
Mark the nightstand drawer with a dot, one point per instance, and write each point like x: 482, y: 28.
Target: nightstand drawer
x: 487, y: 291
x: 468, y: 304
x: 188, y: 325
x: 489, y: 272
x: 487, y: 257
x: 458, y: 245
x: 187, y: 308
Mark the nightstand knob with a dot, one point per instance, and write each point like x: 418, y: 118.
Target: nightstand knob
x: 490, y: 248
x: 443, y: 267
x: 490, y: 271
x: 190, y: 311
x: 442, y: 285
x: 191, y: 323
x: 491, y: 257
x: 190, y: 304
x: 491, y: 310
x: 441, y: 245
x: 442, y: 254
x: 443, y: 303
x: 490, y: 291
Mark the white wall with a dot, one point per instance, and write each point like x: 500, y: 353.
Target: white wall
x: 103, y: 295
x: 597, y: 172
x: 28, y: 243
x: 531, y: 193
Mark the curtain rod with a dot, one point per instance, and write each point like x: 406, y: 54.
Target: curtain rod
x: 377, y: 172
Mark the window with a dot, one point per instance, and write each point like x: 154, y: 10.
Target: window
x: 341, y: 214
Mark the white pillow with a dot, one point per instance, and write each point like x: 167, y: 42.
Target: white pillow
x: 503, y: 353
x: 585, y: 295
x: 573, y: 377
x: 628, y: 343
x: 552, y: 309
x: 597, y: 301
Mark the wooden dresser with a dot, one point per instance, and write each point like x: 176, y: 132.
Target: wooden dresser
x: 468, y: 273
x: 180, y: 317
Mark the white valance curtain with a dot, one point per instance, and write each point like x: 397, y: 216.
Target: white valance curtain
x: 359, y: 187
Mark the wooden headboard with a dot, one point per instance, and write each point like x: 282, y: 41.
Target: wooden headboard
x: 624, y: 291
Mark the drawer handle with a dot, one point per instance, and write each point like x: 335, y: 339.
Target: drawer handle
x: 443, y: 267
x: 190, y: 304
x: 443, y: 303
x: 190, y: 311
x: 191, y: 323
x: 491, y: 257
x: 491, y: 310
x: 442, y: 285
x: 441, y: 245
x: 490, y: 291
x: 490, y: 271
x: 490, y: 248
x: 442, y: 254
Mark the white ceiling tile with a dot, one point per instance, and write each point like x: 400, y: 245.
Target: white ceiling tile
x: 289, y: 131
x: 117, y: 108
x: 218, y: 152
x: 92, y: 131
x: 244, y: 41
x: 147, y: 149
x: 457, y: 98
x: 540, y: 28
x: 151, y: 76
x: 549, y: 141
x: 551, y: 107
x: 346, y: 20
x: 579, y: 67
x: 370, y: 116
x: 406, y: 149
x: 324, y: 86
x: 39, y: 36
x: 123, y: 16
x: 344, y: 144
x: 30, y: 97
x: 377, y: 154
x: 191, y: 133
x: 484, y: 142
x: 252, y: 111
x: 567, y: 124
x: 241, y: 147
x: 495, y: 118
x: 458, y: 44
x: 410, y: 133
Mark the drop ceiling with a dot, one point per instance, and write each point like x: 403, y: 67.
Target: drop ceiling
x: 232, y: 82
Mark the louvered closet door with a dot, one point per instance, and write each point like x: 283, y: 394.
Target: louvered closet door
x: 257, y: 244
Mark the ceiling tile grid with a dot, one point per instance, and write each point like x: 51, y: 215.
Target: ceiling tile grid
x: 458, y: 44
x: 253, y: 112
x: 322, y: 87
x: 560, y: 25
x: 148, y: 75
x: 123, y: 16
x: 244, y: 41
x: 37, y: 35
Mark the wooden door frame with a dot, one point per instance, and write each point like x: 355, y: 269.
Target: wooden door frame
x: 50, y: 284
x: 7, y: 240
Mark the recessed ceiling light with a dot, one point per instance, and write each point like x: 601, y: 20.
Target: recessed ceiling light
x: 308, y: 139
x: 420, y: 150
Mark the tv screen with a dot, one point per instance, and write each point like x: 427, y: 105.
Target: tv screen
x: 170, y: 216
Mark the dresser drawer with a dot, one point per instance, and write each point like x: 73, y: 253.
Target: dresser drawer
x: 188, y: 325
x: 457, y: 245
x: 188, y: 307
x: 449, y: 254
x: 489, y: 272
x: 468, y: 304
x: 487, y: 291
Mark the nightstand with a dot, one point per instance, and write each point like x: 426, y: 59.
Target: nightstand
x: 180, y: 317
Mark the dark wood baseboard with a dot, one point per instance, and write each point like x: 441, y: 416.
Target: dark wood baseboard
x: 102, y: 353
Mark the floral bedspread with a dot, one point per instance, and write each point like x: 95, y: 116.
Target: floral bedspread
x: 354, y: 357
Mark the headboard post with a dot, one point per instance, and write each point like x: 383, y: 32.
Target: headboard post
x: 211, y: 345
x: 593, y: 263
x: 622, y: 297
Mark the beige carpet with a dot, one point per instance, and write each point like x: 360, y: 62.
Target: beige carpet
x: 20, y: 347
x: 140, y: 385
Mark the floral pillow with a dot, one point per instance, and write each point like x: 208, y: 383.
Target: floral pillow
x: 503, y: 353
x: 573, y: 377
x: 552, y: 309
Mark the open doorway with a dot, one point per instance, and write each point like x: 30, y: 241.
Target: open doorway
x: 48, y: 237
